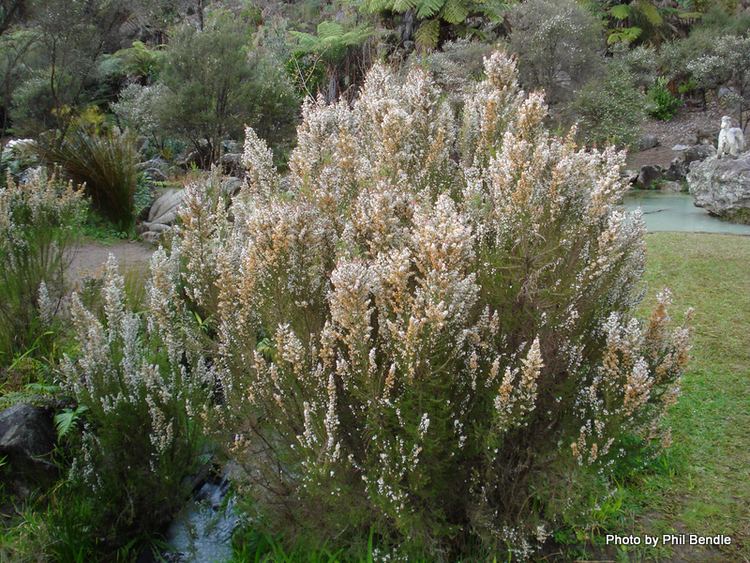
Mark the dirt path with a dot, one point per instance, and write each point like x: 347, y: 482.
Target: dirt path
x: 90, y: 256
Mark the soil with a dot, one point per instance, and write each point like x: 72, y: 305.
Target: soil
x: 89, y: 258
x: 679, y: 130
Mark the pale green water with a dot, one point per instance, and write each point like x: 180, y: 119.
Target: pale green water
x: 676, y: 212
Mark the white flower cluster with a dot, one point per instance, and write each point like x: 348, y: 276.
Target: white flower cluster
x: 409, y: 329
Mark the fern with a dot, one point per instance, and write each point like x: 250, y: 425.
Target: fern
x: 454, y: 11
x: 65, y: 420
x: 404, y: 5
x: 428, y: 34
x: 620, y: 12
x: 429, y: 8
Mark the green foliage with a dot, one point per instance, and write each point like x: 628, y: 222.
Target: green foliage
x: 727, y: 64
x: 557, y: 43
x: 609, y: 110
x: 139, y: 62
x: 432, y: 13
x: 66, y: 420
x: 141, y: 397
x: 318, y: 59
x: 212, y: 85
x: 106, y: 165
x: 662, y: 103
x: 39, y: 223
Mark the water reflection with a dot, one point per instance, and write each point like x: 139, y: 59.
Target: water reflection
x: 676, y: 212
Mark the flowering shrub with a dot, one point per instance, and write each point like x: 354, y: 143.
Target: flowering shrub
x: 38, y: 223
x: 426, y: 328
x: 145, y: 388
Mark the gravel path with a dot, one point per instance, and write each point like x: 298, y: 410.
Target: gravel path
x: 89, y: 258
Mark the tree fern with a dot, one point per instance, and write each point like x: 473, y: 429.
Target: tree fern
x: 429, y: 8
x: 428, y: 34
x: 455, y: 11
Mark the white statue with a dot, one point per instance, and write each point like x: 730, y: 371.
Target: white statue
x: 731, y: 139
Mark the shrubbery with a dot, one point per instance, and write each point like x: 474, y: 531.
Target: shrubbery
x: 558, y: 43
x: 38, y: 225
x: 145, y: 387
x: 609, y: 110
x: 429, y: 335
x: 662, y: 103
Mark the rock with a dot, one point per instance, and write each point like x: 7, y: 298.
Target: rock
x: 155, y: 175
x: 27, y: 437
x: 722, y: 186
x: 670, y: 187
x: 706, y: 136
x: 648, y: 142
x: 679, y: 147
x: 648, y: 175
x: 231, y: 163
x: 631, y: 176
x: 680, y: 165
x: 164, y: 209
x: 158, y: 163
x: 151, y: 237
x: 230, y: 186
x: 231, y: 146
x: 698, y: 152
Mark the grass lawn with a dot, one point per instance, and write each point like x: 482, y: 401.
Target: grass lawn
x: 702, y: 486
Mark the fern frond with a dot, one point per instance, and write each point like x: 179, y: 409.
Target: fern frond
x: 404, y: 5
x: 455, y: 11
x: 620, y: 12
x: 428, y: 34
x: 650, y: 12
x: 429, y: 8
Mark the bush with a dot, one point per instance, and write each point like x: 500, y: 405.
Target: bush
x: 39, y: 221
x: 145, y: 390
x: 428, y: 335
x: 662, y: 103
x: 558, y: 44
x: 609, y: 110
x: 106, y: 164
x: 212, y: 84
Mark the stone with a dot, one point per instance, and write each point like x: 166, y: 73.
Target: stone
x: 231, y: 163
x: 164, y: 209
x: 155, y: 175
x: 648, y: 175
x: 722, y: 186
x: 671, y: 187
x: 231, y: 185
x: 648, y: 142
x: 679, y: 147
x: 231, y: 146
x: 698, y: 152
x: 27, y: 438
x: 679, y: 167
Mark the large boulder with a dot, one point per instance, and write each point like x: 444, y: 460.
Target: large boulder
x: 161, y: 215
x: 27, y: 438
x: 680, y: 165
x: 648, y: 175
x: 648, y: 142
x: 722, y: 186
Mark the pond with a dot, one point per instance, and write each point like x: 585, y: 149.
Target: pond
x: 676, y: 212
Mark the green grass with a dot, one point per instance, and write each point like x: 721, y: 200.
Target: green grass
x: 702, y: 485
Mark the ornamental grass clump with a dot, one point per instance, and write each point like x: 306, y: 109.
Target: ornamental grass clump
x: 425, y: 331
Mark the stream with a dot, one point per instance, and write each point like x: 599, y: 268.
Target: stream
x: 676, y: 212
